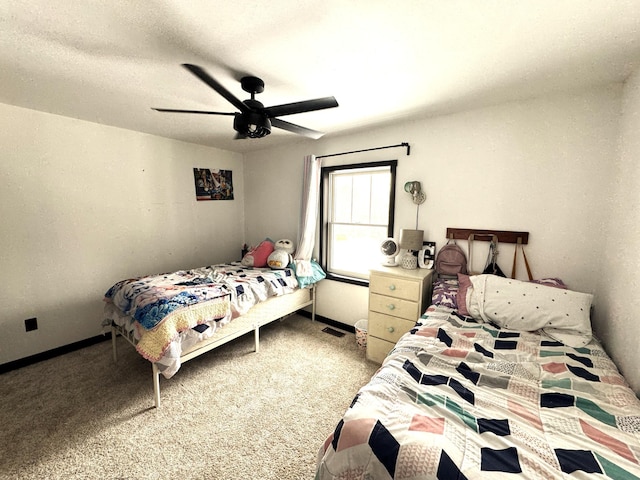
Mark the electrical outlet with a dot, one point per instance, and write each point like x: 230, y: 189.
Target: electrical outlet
x: 31, y: 324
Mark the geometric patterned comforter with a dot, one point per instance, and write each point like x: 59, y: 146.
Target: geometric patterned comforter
x: 456, y: 399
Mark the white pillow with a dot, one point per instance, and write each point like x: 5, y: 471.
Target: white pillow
x: 562, y: 314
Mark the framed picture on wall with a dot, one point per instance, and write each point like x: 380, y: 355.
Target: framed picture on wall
x: 212, y: 184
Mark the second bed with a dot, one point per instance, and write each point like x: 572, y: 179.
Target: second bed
x: 173, y: 317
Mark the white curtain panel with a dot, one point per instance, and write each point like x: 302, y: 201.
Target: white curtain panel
x: 308, y: 215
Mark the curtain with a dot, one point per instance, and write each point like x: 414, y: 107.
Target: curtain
x: 308, y: 215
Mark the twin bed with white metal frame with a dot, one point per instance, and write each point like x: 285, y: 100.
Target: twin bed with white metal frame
x: 173, y: 318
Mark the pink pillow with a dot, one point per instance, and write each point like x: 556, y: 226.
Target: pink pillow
x: 257, y: 256
x: 463, y: 285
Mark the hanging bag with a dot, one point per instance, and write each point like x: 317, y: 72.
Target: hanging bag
x: 491, y: 267
x: 470, y: 248
x: 526, y: 262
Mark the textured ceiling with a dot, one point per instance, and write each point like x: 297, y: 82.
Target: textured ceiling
x: 110, y: 61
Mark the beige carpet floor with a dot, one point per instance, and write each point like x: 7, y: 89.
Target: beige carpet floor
x: 229, y: 414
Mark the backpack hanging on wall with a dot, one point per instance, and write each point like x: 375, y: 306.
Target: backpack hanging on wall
x: 451, y: 259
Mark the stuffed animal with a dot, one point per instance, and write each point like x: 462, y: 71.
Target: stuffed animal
x: 281, y: 256
x: 286, y: 245
x: 258, y: 256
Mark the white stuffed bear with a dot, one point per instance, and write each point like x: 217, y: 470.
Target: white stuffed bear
x: 281, y: 256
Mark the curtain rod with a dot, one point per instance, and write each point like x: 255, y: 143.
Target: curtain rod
x: 404, y: 144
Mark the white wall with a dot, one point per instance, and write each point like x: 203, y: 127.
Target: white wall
x: 546, y: 165
x: 618, y: 298
x: 543, y: 165
x: 84, y: 205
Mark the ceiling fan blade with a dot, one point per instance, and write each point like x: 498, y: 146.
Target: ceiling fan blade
x: 301, y: 107
x: 290, y: 127
x: 209, y: 80
x: 190, y: 111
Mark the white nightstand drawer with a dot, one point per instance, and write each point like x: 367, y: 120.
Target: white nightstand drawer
x: 397, y: 298
x: 377, y: 350
x: 388, y: 328
x: 394, y: 287
x: 394, y: 306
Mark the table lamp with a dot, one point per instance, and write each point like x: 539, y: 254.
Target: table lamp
x: 410, y: 240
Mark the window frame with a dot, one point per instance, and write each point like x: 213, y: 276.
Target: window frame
x: 324, y: 212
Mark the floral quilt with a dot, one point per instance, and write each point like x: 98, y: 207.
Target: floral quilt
x: 160, y: 307
x: 457, y: 399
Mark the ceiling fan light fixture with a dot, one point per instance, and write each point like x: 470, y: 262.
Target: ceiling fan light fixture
x: 252, y: 125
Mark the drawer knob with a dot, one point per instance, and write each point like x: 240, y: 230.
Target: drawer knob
x: 392, y: 287
x: 391, y: 306
x: 391, y: 329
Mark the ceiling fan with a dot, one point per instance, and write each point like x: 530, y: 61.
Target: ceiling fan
x: 254, y: 120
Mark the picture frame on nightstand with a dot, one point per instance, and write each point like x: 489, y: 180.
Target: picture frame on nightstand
x: 427, y: 256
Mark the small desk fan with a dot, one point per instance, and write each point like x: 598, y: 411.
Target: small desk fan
x: 390, y: 249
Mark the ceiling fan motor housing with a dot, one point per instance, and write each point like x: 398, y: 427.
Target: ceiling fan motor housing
x: 252, y: 84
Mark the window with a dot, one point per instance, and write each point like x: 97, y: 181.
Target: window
x: 356, y: 216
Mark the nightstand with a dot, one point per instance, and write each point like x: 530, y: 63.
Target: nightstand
x: 397, y: 298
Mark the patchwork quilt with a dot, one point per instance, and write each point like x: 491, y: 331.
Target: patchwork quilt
x: 162, y: 310
x: 457, y: 399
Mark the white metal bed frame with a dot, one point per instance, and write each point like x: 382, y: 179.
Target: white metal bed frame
x: 261, y: 314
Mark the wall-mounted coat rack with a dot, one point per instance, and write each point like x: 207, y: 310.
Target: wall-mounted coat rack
x: 483, y: 235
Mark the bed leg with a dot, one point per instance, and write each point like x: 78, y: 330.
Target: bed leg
x: 156, y: 385
x: 256, y: 334
x: 313, y: 305
x: 114, y: 334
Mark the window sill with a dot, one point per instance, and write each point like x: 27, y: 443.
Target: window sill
x: 344, y: 279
